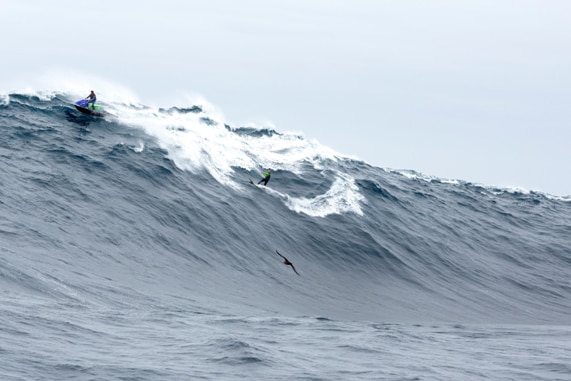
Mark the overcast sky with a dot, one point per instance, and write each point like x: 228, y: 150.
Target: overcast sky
x: 472, y: 90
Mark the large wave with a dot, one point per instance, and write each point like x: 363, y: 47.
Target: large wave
x: 153, y: 205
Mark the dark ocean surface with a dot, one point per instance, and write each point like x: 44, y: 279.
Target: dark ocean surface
x: 133, y: 247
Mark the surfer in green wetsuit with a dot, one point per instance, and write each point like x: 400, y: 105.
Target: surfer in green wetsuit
x: 266, y: 177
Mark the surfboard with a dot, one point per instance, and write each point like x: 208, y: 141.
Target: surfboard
x: 254, y: 184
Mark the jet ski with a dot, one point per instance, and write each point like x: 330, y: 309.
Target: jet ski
x: 95, y: 110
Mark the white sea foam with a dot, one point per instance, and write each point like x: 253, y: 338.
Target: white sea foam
x: 195, y: 145
x: 342, y: 197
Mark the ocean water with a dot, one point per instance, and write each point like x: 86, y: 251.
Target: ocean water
x: 133, y: 247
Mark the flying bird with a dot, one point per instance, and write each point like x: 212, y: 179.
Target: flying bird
x: 288, y: 263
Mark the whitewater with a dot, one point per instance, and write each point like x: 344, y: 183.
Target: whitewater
x: 133, y: 247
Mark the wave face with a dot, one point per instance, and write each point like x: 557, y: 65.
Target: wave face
x: 152, y: 207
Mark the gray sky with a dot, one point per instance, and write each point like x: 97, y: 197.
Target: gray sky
x: 471, y: 90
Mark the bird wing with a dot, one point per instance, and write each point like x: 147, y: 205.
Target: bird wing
x: 294, y: 270
x: 280, y: 255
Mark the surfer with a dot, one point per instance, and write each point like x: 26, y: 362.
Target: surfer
x: 288, y: 263
x: 91, y: 99
x: 266, y: 177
